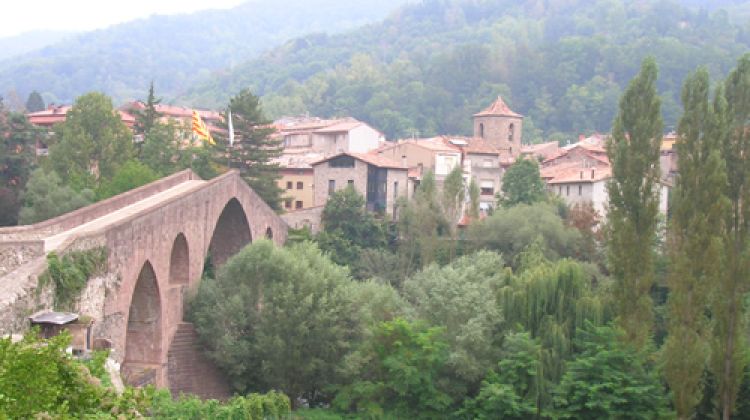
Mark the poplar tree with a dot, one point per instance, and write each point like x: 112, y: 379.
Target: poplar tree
x: 633, y: 151
x: 729, y: 343
x: 695, y: 244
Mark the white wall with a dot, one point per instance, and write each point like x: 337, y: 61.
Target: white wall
x: 363, y: 139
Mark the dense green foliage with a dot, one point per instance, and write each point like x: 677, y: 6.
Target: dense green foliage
x: 38, y: 377
x: 17, y: 138
x: 173, y: 51
x: 511, y: 230
x: 348, y: 228
x: 272, y: 405
x: 70, y: 274
x: 46, y: 197
x: 426, y: 69
x: 131, y: 174
x: 522, y: 184
x: 609, y: 379
x: 398, y: 373
x: 92, y: 142
x: 277, y: 319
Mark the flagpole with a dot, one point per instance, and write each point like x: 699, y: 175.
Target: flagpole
x: 230, y: 144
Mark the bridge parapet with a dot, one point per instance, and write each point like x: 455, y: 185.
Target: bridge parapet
x: 86, y: 214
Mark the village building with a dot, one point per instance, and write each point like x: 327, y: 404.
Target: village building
x: 55, y: 114
x: 579, y: 174
x: 540, y: 151
x: 296, y: 179
x: 500, y: 126
x: 328, y: 137
x: 380, y: 180
x: 182, y: 117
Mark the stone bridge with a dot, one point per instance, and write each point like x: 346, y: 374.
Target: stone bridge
x: 158, y: 238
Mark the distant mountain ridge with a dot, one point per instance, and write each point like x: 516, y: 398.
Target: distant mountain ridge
x: 175, y: 50
x: 15, y: 45
x: 428, y: 67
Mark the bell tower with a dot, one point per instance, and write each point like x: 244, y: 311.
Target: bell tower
x: 500, y: 126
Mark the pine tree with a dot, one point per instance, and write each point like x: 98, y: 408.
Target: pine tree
x: 35, y: 102
x: 634, y: 202
x: 695, y: 244
x: 727, y: 308
x: 254, y: 148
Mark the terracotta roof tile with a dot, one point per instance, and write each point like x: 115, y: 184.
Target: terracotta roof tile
x: 498, y: 108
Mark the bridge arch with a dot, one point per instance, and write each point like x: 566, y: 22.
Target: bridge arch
x: 179, y: 261
x: 143, y: 340
x: 231, y: 233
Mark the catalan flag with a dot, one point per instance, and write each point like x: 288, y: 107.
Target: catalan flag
x: 200, y: 129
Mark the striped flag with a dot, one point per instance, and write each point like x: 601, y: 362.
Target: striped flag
x: 200, y: 129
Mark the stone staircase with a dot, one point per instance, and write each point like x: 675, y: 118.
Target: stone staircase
x: 190, y: 372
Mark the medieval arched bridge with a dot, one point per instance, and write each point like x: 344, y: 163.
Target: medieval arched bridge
x: 158, y: 238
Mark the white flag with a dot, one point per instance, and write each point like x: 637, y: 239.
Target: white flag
x: 231, y: 130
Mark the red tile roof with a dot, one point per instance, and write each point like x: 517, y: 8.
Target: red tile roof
x: 566, y: 175
x: 498, y: 108
x: 173, y: 111
x: 57, y: 114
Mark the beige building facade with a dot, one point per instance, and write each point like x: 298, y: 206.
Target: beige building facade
x: 380, y: 180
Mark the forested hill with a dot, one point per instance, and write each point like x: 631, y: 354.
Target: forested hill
x: 176, y: 50
x: 427, y: 68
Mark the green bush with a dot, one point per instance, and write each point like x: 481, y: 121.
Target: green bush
x: 272, y: 405
x: 71, y: 273
x: 39, y: 378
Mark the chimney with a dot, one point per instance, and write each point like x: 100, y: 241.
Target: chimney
x: 403, y: 160
x: 592, y: 173
x: 581, y: 137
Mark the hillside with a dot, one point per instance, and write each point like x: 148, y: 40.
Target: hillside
x: 29, y: 41
x: 427, y: 68
x: 175, y: 50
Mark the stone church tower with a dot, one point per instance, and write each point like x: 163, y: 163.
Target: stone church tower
x: 500, y: 126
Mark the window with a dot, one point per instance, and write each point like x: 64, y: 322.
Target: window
x: 567, y: 190
x: 288, y: 204
x: 511, y: 132
x: 481, y: 130
x: 395, y: 190
x: 487, y: 187
x: 299, y: 185
x: 341, y: 162
x: 289, y: 185
x: 298, y: 205
x: 580, y: 189
x: 559, y: 190
x: 331, y: 186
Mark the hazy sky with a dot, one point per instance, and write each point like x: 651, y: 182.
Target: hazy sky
x: 79, y: 15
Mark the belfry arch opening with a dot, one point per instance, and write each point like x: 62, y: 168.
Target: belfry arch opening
x: 231, y: 234
x: 142, y: 360
x: 179, y: 261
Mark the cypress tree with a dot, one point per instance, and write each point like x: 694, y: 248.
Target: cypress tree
x: 729, y: 344
x: 695, y: 244
x: 634, y: 202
